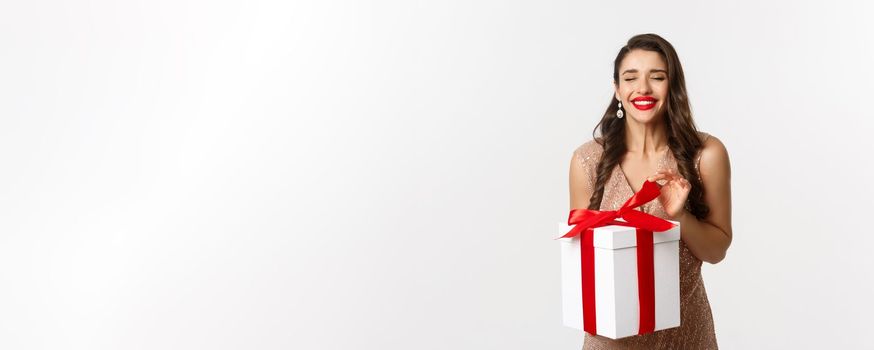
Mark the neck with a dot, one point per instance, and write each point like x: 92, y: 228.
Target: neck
x: 646, y: 139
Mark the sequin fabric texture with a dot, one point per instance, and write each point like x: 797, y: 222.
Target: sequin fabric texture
x: 696, y: 329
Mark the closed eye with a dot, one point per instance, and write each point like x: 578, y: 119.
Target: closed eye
x: 630, y: 79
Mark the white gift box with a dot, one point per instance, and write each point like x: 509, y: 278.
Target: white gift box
x: 616, y: 296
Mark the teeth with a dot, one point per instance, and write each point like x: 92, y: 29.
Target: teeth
x: 644, y: 102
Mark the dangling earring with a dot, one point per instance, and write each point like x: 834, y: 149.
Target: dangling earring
x: 619, y: 113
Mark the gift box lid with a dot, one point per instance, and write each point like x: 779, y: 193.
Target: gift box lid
x: 618, y: 236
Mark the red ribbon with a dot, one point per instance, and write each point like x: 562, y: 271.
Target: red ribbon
x: 586, y: 221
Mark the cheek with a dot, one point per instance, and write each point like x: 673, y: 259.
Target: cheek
x: 663, y: 96
x: 663, y: 90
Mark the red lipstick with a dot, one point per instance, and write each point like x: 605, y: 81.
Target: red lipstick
x: 643, y: 103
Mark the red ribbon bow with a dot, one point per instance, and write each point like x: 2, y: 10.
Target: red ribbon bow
x: 586, y: 221
x: 585, y: 218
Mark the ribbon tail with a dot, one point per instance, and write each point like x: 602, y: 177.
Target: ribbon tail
x: 646, y: 221
x: 575, y: 231
x: 649, y: 191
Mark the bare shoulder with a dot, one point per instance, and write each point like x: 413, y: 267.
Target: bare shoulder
x: 714, y: 156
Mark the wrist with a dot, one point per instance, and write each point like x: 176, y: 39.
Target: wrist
x: 681, y: 216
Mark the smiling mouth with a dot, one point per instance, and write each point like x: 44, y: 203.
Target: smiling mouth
x: 644, y: 105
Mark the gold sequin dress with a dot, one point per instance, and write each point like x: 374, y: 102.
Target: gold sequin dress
x: 696, y: 321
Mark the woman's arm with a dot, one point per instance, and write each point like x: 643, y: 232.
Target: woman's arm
x: 708, y: 239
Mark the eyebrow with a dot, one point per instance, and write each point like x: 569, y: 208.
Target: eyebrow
x: 652, y: 71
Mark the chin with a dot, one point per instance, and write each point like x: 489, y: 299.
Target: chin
x: 645, y: 118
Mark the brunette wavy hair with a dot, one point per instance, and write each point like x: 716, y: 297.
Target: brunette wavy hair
x: 683, y: 139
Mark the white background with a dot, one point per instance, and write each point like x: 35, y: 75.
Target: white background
x: 389, y: 174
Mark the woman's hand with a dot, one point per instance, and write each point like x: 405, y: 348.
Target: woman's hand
x: 674, y: 193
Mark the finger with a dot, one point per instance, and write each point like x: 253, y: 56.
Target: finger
x: 660, y: 180
x: 656, y: 176
x: 665, y: 174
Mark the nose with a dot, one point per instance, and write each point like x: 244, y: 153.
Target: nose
x: 643, y: 87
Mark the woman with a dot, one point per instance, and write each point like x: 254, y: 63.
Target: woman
x: 647, y: 133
